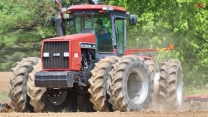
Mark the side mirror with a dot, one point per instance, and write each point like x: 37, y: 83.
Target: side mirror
x: 52, y: 21
x: 71, y: 20
x: 132, y: 20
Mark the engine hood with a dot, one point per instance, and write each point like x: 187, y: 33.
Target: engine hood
x: 82, y: 37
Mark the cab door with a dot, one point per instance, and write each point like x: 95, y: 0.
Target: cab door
x: 120, y: 34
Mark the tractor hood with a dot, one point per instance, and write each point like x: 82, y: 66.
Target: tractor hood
x: 83, y: 37
x: 64, y: 53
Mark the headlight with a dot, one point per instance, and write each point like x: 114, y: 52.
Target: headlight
x: 66, y: 54
x: 46, y: 54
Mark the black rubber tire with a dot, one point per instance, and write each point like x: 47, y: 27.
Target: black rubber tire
x: 170, y: 90
x: 121, y: 74
x: 18, y: 85
x: 152, y: 66
x: 98, y: 83
x: 65, y: 106
x: 35, y: 93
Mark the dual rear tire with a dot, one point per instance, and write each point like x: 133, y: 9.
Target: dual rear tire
x: 130, y: 85
x: 98, y: 83
x: 170, y: 90
x: 122, y: 84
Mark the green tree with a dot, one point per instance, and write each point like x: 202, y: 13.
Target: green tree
x: 23, y: 25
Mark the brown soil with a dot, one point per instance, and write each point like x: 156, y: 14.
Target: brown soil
x: 113, y: 114
x: 4, y: 82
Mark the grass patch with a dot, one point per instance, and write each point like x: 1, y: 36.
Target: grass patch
x: 4, y: 96
x: 189, y: 90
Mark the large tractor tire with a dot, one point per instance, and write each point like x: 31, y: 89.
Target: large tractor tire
x: 152, y: 66
x: 18, y: 85
x: 98, y: 83
x: 35, y: 93
x: 131, y: 84
x: 170, y: 91
x: 64, y: 101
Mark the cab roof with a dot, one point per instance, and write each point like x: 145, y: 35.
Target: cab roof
x: 95, y: 7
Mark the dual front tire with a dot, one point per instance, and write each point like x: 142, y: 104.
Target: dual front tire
x: 126, y: 81
x: 24, y: 96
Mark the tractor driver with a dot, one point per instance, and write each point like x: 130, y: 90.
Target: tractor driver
x: 103, y: 36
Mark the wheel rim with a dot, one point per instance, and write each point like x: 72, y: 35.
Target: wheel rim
x: 179, y: 89
x: 59, y: 98
x: 156, y: 82
x: 137, y: 86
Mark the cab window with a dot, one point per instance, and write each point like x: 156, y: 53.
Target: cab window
x: 99, y: 24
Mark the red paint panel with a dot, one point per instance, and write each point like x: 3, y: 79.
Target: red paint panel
x: 199, y: 96
x: 74, y: 48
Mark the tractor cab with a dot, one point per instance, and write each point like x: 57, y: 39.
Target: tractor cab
x: 107, y: 23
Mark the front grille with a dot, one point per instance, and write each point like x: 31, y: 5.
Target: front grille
x: 56, y: 59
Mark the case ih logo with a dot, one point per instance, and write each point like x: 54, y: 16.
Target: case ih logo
x: 56, y: 54
x: 87, y: 45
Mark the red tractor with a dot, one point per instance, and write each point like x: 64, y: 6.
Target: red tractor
x: 84, y: 72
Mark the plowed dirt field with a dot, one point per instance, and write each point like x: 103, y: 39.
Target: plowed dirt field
x: 112, y: 114
x: 4, y: 81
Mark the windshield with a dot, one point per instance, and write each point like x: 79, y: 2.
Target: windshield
x: 99, y: 24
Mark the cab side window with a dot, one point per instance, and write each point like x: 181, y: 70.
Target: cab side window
x: 120, y: 35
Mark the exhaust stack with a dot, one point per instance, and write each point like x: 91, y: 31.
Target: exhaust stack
x: 60, y: 22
